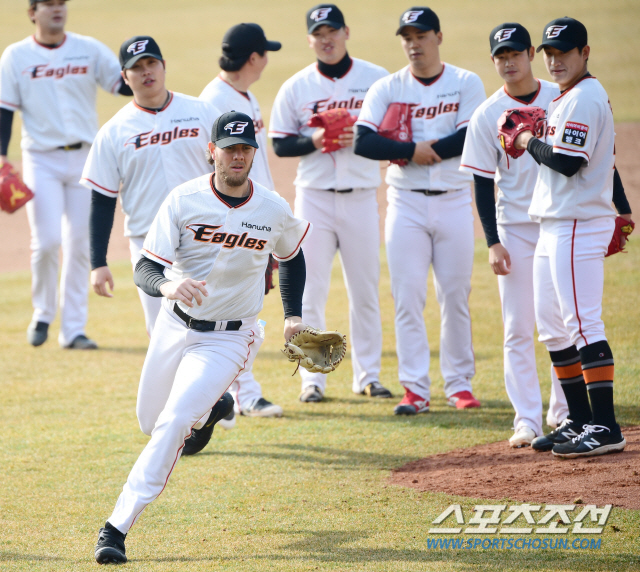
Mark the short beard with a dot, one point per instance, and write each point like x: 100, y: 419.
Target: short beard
x: 230, y: 179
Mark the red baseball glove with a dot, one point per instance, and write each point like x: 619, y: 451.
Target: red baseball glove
x: 620, y: 236
x: 13, y: 192
x: 268, y: 275
x: 396, y: 125
x: 334, y: 122
x: 513, y: 122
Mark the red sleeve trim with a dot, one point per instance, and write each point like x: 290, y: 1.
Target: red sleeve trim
x: 297, y: 247
x: 462, y: 123
x: 158, y: 257
x: 476, y: 169
x: 115, y: 85
x: 99, y: 186
x: 9, y: 104
x: 283, y: 133
x: 572, y: 151
x: 369, y: 122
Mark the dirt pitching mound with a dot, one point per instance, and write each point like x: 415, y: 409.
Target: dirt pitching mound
x: 496, y: 471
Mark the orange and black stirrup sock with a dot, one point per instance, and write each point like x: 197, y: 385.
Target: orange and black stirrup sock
x: 597, y: 368
x: 566, y: 364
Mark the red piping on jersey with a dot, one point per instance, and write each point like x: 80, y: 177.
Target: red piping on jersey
x: 97, y: 185
x: 50, y: 47
x: 369, y: 122
x: 113, y: 89
x: 462, y: 123
x: 160, y: 257
x: 11, y: 104
x: 215, y: 192
x: 159, y: 110
x: 568, y: 90
x: 242, y: 93
x: 573, y: 151
x: 573, y: 279
x: 283, y: 133
x: 504, y: 87
x: 435, y: 79
x: 332, y: 79
x: 285, y: 258
x: 477, y: 169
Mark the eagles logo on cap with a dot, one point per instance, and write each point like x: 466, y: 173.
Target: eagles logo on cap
x: 320, y: 14
x: 504, y: 34
x: 411, y: 16
x: 137, y: 47
x: 419, y: 17
x: 554, y: 31
x: 511, y: 36
x: 233, y: 128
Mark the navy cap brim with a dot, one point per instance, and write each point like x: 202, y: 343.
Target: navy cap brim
x: 559, y: 45
x: 515, y: 46
x: 272, y: 46
x: 334, y: 25
x: 229, y: 141
x: 414, y: 25
x: 130, y: 63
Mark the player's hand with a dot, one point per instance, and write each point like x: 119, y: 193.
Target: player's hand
x: 292, y: 325
x: 3, y: 160
x: 522, y: 140
x: 424, y: 154
x: 499, y: 259
x: 317, y: 137
x: 185, y: 291
x: 346, y: 138
x: 100, y: 278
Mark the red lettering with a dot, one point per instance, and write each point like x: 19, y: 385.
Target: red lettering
x: 420, y: 112
x: 194, y: 132
x: 166, y: 137
x: 448, y: 108
x: 359, y: 104
x: 183, y: 133
x: 154, y: 138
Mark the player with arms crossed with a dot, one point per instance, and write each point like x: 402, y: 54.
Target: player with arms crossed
x: 196, y: 351
x: 429, y: 218
x: 336, y: 191
x: 572, y: 202
x: 244, y: 57
x: 52, y: 78
x: 510, y: 233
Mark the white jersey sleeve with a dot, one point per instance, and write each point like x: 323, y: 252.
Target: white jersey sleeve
x: 9, y: 88
x: 163, y: 238
x: 479, y: 154
x: 376, y: 103
x: 470, y: 98
x: 107, y: 68
x: 101, y: 170
x: 294, y: 233
x: 284, y: 116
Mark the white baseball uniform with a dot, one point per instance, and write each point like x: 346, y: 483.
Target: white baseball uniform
x: 576, y: 219
x: 197, y: 235
x: 337, y: 193
x: 141, y: 155
x: 423, y: 230
x: 55, y: 90
x: 516, y: 180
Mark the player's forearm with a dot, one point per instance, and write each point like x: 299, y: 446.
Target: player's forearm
x: 149, y: 276
x: 293, y: 146
x: 6, y: 124
x: 619, y: 196
x: 101, y: 217
x: 543, y: 154
x: 293, y: 275
x: 486, y: 205
x: 450, y: 146
x: 369, y: 144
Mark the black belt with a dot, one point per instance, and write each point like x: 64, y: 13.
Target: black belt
x: 204, y: 325
x: 428, y: 192
x: 73, y: 147
x: 339, y: 190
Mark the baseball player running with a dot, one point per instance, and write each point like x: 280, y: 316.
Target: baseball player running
x: 199, y: 248
x: 572, y: 202
x: 244, y: 57
x: 52, y: 77
x: 336, y: 191
x: 510, y: 233
x: 429, y: 218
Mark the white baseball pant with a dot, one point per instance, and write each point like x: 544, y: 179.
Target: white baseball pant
x: 348, y: 223
x: 421, y: 231
x: 184, y: 374
x: 150, y: 305
x: 59, y: 216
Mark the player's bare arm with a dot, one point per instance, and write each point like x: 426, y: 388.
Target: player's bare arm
x: 499, y: 260
x: 424, y: 153
x: 102, y: 281
x: 185, y: 291
x: 292, y: 325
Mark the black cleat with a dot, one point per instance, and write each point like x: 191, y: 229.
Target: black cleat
x: 200, y: 437
x: 594, y: 440
x: 37, y: 333
x: 562, y: 434
x: 376, y: 389
x: 110, y: 547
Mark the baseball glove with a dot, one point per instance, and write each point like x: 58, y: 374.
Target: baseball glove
x: 396, y: 125
x: 13, y: 192
x: 316, y: 350
x: 620, y: 236
x: 268, y: 274
x: 513, y: 122
x: 334, y: 121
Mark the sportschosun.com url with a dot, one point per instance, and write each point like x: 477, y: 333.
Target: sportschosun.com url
x: 520, y: 543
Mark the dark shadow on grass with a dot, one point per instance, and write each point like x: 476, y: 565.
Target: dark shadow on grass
x: 124, y: 350
x: 16, y: 556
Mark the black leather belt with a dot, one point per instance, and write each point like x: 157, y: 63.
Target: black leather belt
x: 428, y: 192
x: 204, y: 325
x: 339, y: 190
x: 73, y: 147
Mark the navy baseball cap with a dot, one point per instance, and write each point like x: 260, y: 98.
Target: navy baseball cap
x: 233, y: 128
x: 136, y: 48
x: 419, y: 17
x: 244, y: 39
x: 324, y: 15
x: 564, y: 34
x: 509, y: 35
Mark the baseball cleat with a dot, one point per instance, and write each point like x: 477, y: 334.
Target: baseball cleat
x: 200, y: 437
x: 411, y: 404
x: 228, y: 422
x: 463, y: 400
x: 522, y: 437
x: 311, y: 394
x: 262, y: 408
x: 594, y: 440
x: 82, y: 342
x: 37, y: 333
x: 110, y: 547
x: 376, y: 389
x: 567, y: 431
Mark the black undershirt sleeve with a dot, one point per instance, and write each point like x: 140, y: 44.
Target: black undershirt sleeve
x: 369, y: 144
x: 450, y: 146
x: 6, y: 123
x: 293, y: 274
x: 619, y: 196
x: 124, y: 89
x: 101, y: 216
x: 543, y: 154
x: 486, y: 205
x: 149, y: 276
x: 293, y: 146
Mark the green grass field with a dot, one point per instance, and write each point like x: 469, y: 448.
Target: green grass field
x: 306, y: 492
